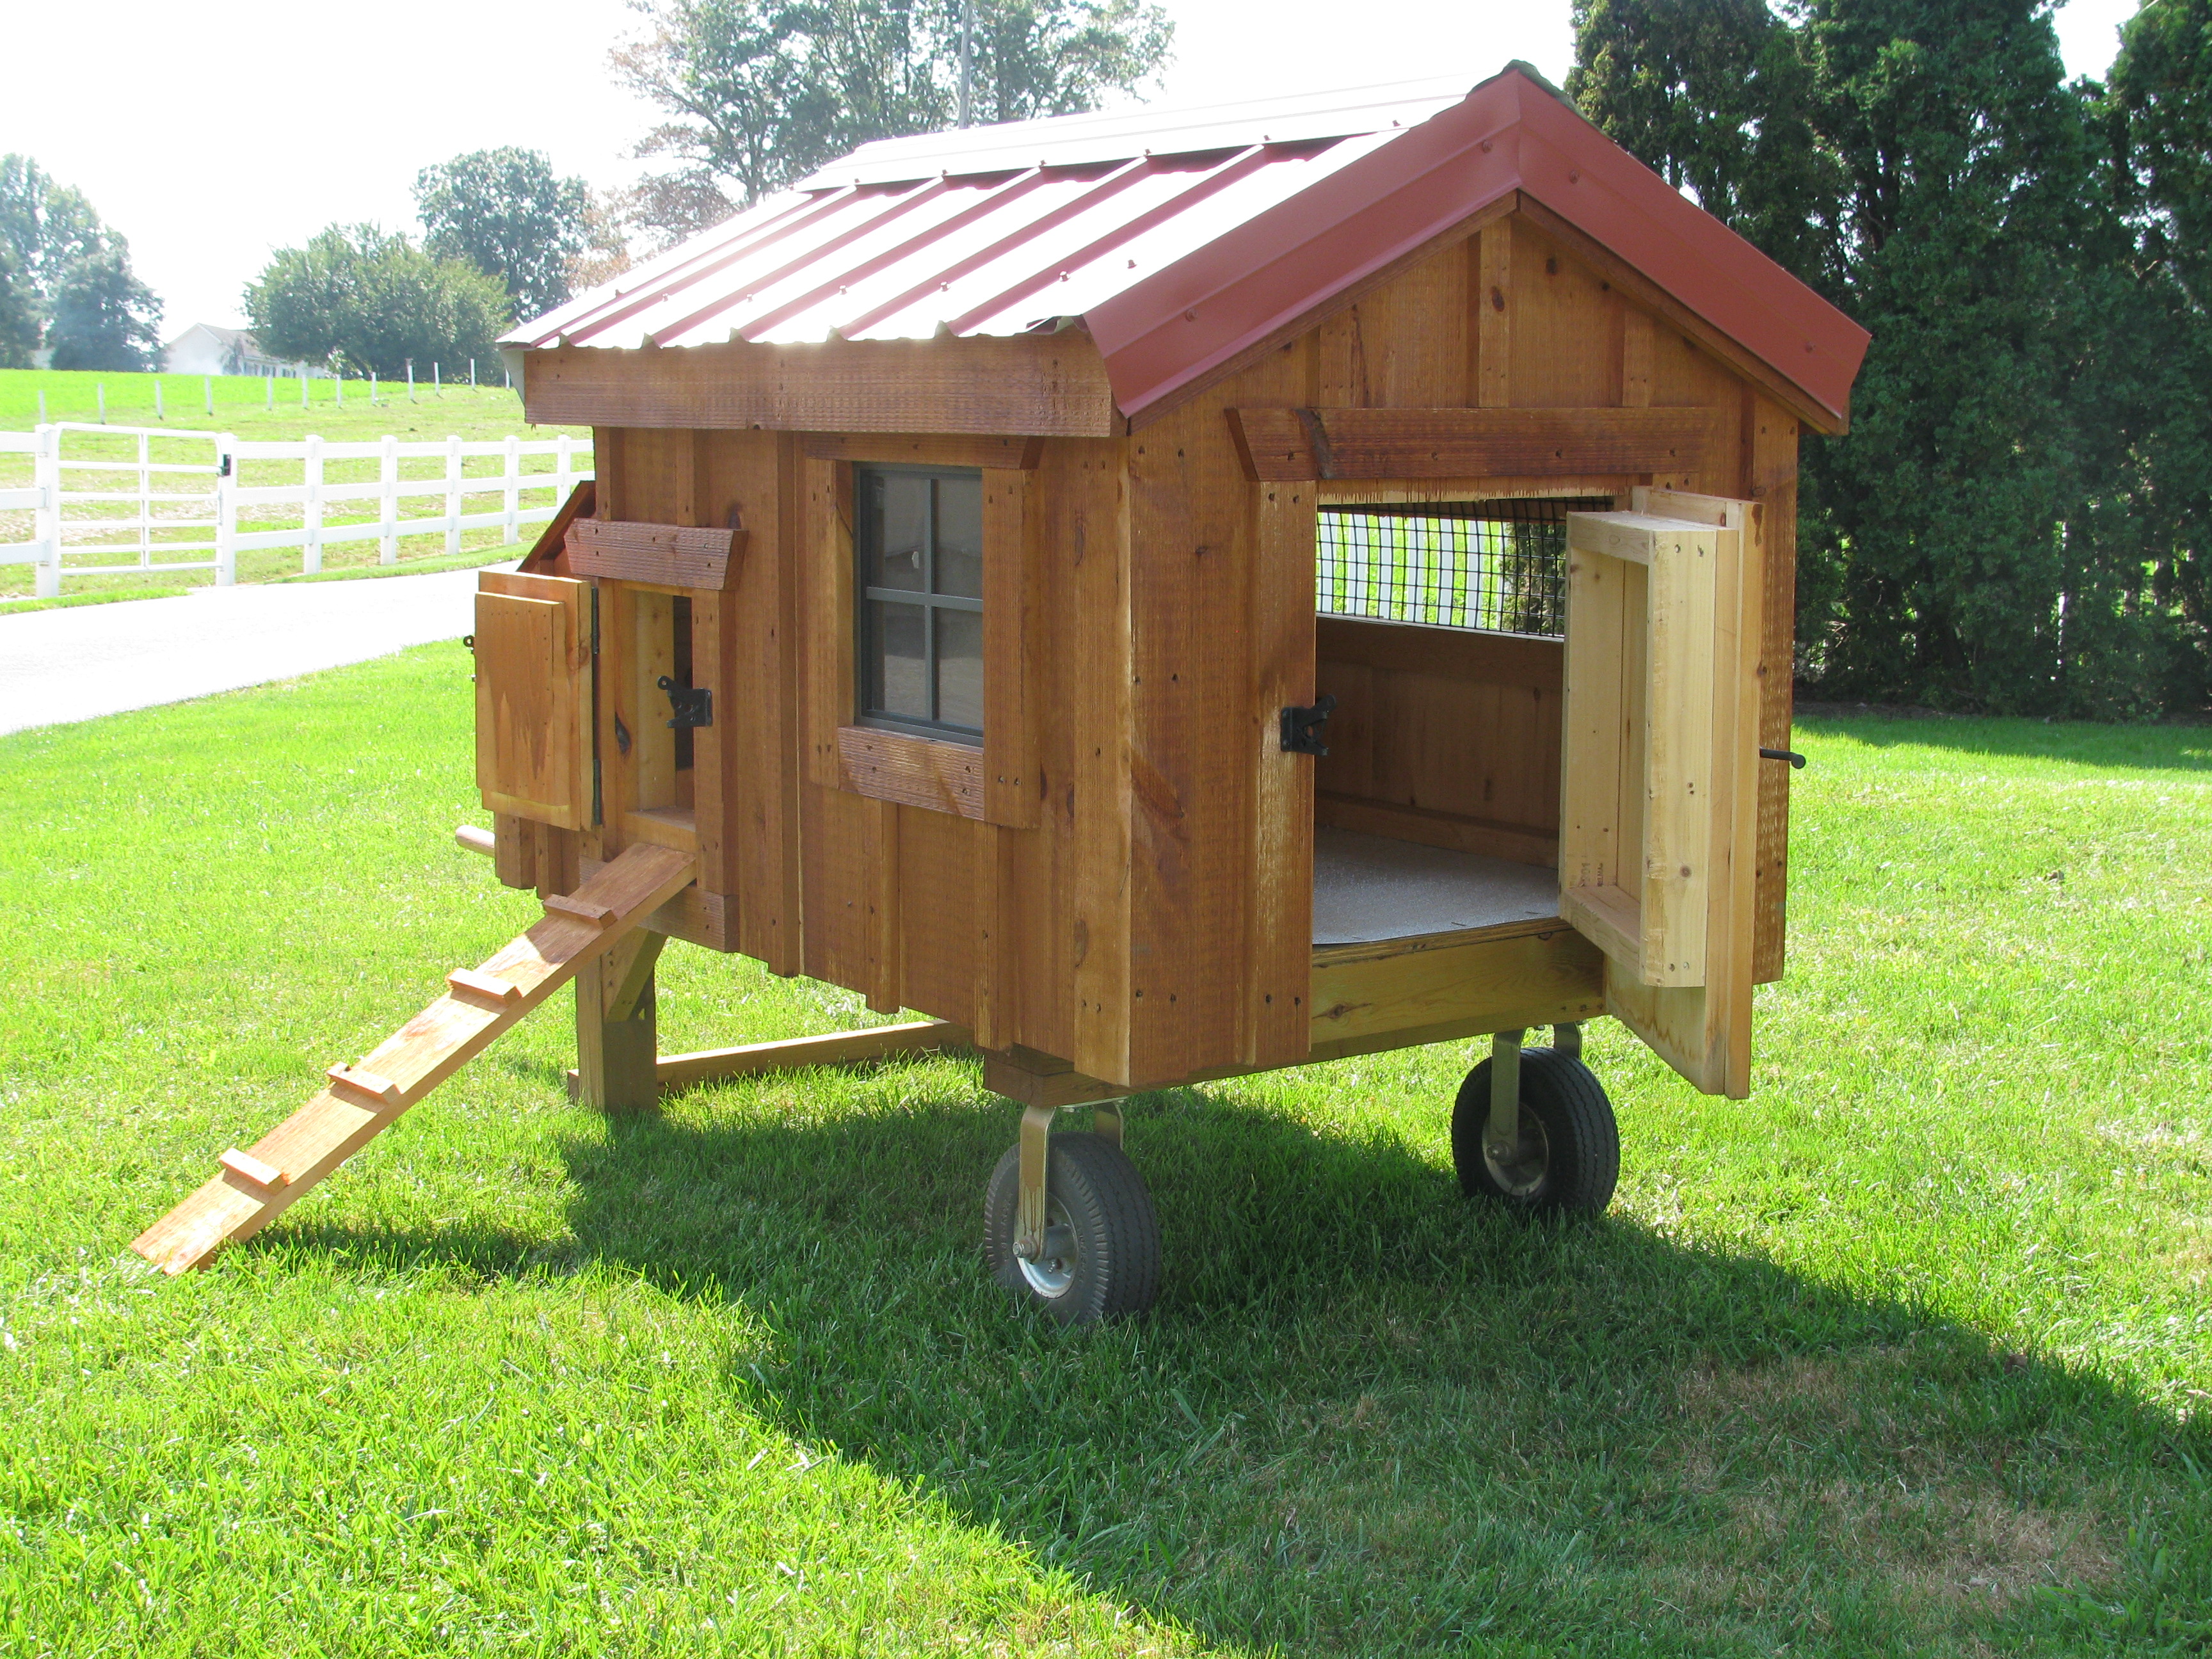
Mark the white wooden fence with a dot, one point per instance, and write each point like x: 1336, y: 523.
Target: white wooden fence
x: 144, y: 513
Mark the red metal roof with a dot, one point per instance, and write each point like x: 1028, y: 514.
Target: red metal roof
x: 1181, y: 240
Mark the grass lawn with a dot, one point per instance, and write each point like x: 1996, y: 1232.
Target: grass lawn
x: 242, y: 410
x: 248, y: 406
x: 1910, y: 1353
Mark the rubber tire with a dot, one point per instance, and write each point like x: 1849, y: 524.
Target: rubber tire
x: 1583, y: 1136
x: 1117, y: 1236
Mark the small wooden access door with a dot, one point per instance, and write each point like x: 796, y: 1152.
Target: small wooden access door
x: 1659, y: 770
x: 533, y: 645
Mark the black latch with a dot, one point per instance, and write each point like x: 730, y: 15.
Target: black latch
x: 1796, y: 760
x: 1301, y: 726
x: 693, y: 704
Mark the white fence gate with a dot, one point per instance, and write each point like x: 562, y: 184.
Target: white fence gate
x: 140, y: 513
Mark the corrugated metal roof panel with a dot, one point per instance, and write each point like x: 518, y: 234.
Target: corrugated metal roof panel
x: 1117, y: 136
x: 1183, y: 239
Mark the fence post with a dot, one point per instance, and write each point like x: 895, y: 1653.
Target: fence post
x: 564, y: 470
x: 452, y: 494
x: 47, y: 516
x: 226, y: 510
x: 158, y: 414
x: 388, y: 475
x: 207, y: 392
x: 145, y: 501
x: 312, y: 558
x: 513, y: 482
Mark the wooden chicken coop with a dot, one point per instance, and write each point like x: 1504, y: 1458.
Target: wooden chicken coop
x: 1165, y: 597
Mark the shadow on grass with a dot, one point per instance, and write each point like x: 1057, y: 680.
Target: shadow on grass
x: 1367, y: 1418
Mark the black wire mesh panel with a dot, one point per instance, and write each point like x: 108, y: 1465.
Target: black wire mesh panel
x: 1501, y: 566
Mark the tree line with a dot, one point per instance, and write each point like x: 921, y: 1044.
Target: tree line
x: 2020, y: 520
x: 65, y: 279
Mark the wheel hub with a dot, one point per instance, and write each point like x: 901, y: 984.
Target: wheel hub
x: 1519, y: 1169
x: 1052, y: 1270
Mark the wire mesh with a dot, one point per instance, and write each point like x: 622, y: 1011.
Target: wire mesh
x: 1499, y: 566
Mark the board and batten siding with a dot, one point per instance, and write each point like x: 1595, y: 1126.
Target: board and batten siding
x: 1152, y: 919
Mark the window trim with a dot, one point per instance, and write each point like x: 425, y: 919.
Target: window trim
x: 866, y: 654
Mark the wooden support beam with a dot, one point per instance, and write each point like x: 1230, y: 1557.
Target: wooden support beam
x: 1020, y: 385
x: 795, y: 1054
x: 617, y: 1026
x: 338, y: 1122
x: 1286, y: 445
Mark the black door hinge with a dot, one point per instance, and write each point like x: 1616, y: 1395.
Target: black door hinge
x: 1301, y: 726
x: 693, y: 704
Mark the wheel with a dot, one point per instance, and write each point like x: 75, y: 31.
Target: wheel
x: 1568, y: 1155
x: 1101, y: 1254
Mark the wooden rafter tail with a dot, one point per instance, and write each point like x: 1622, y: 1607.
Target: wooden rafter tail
x: 257, y: 1185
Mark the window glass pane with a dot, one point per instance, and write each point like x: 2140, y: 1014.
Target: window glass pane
x: 898, y: 669
x: 960, y: 667
x: 901, y: 519
x: 960, y: 537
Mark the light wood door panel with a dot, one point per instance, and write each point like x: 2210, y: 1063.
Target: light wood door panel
x: 534, y: 698
x: 1659, y: 772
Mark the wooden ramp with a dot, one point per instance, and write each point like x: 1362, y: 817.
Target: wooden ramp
x: 255, y: 1187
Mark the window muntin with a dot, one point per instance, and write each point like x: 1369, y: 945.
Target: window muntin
x: 919, y: 544
x: 1498, y: 566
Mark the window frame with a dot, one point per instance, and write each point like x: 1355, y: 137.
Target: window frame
x: 868, y: 651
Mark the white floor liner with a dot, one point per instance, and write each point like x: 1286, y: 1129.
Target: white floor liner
x: 1368, y: 888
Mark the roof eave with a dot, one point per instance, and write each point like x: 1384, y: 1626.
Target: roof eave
x: 1168, y: 338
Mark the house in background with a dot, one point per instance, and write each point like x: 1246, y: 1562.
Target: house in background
x: 203, y: 349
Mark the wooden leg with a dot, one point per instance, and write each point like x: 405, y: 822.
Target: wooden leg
x: 617, y: 1039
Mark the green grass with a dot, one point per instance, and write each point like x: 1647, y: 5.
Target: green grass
x: 248, y: 406
x: 1910, y: 1353
x: 105, y: 596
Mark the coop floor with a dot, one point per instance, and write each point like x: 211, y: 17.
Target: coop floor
x: 1368, y: 888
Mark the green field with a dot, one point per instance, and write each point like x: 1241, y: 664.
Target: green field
x: 489, y: 413
x: 1911, y: 1354
x: 253, y: 407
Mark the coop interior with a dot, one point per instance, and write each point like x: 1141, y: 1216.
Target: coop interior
x: 1441, y: 635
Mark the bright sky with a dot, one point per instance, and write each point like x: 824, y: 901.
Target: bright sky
x: 211, y: 136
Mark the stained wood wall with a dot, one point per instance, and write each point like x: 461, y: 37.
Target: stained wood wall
x: 1154, y: 919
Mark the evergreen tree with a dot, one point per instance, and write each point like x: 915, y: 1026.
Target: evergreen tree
x: 1924, y: 163
x: 105, y: 317
x: 2153, y: 407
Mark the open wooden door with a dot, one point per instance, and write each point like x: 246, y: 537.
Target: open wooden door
x: 533, y: 644
x: 1659, y: 794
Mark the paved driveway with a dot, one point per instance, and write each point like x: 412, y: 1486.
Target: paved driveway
x: 74, y: 665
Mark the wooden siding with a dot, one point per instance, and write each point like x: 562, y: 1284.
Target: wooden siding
x: 1131, y: 893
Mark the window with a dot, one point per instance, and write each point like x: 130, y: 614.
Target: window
x: 920, y: 541
x: 1499, y: 566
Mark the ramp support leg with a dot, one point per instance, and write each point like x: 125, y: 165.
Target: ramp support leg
x: 618, y: 1047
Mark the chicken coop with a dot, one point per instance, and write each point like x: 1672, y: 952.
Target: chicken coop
x: 1161, y: 596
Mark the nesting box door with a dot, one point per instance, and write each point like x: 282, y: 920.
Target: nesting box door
x: 1659, y: 770
x: 533, y: 645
